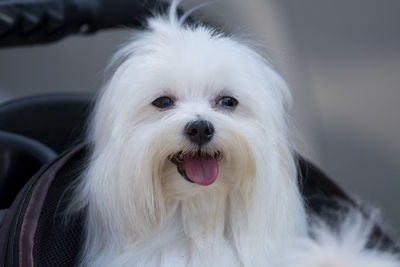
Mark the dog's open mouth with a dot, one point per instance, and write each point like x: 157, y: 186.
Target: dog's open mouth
x: 199, y: 168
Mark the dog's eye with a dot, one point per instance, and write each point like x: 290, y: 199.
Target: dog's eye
x: 227, y: 102
x: 163, y: 102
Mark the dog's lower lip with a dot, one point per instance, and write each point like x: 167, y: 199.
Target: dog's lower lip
x: 178, y: 159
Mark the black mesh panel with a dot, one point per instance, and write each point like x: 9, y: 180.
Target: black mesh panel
x: 56, y: 243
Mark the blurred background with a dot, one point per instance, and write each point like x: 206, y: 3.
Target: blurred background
x: 341, y: 58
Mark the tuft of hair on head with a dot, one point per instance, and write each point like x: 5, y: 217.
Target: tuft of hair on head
x: 174, y: 16
x: 173, y: 12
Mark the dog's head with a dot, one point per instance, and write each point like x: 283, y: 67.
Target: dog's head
x: 186, y: 108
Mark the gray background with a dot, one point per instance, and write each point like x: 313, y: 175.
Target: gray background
x: 341, y: 59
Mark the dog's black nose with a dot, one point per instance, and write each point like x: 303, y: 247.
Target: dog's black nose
x: 200, y: 131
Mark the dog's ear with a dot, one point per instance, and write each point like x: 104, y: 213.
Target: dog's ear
x: 283, y: 91
x: 264, y: 73
x: 276, y: 85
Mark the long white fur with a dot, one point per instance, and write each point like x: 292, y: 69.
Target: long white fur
x: 343, y: 245
x: 140, y: 211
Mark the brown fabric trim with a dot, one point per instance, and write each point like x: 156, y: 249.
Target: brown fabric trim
x: 5, y: 228
x: 33, y: 210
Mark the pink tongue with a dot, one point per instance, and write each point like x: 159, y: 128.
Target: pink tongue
x: 202, y: 170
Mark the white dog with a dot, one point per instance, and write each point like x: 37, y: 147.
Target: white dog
x: 191, y: 163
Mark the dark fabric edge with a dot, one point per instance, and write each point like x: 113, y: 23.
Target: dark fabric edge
x: 319, y: 177
x: 5, y: 228
x: 33, y: 210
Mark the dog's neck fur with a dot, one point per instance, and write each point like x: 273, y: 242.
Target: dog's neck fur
x: 218, y: 226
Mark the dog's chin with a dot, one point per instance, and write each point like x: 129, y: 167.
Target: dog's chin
x: 199, y: 167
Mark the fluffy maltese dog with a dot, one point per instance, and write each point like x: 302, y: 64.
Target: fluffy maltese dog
x: 191, y: 163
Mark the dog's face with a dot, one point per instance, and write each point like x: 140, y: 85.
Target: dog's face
x: 194, y: 106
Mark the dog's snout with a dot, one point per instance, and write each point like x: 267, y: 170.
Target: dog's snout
x: 199, y: 132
